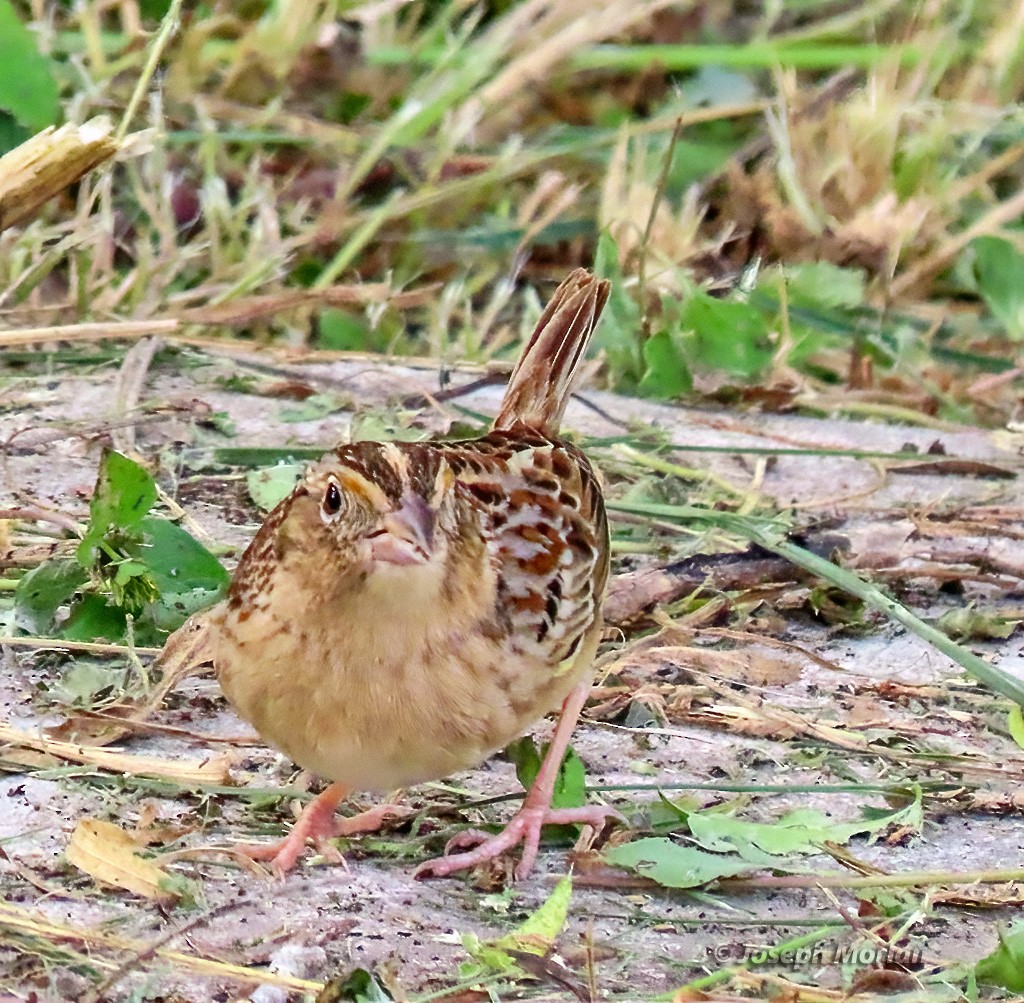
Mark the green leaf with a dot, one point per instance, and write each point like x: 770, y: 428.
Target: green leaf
x: 314, y: 407
x: 540, y: 929
x: 359, y: 986
x: 727, y: 335
x: 837, y: 608
x: 127, y: 570
x: 187, y: 892
x: 801, y: 831
x: 667, y: 375
x: 188, y: 577
x: 570, y: 783
x: 42, y: 591
x: 820, y: 283
x: 672, y: 865
x: 535, y: 935
x: 525, y: 756
x: 124, y: 493
x: 385, y: 425
x: 131, y: 587
x: 618, y: 334
x: 727, y: 845
x: 149, y: 567
x: 86, y: 682
x: 27, y: 88
x: 259, y: 456
x: 270, y: 485
x: 998, y: 267
x: 343, y: 331
x: 1005, y: 965
x: 178, y: 561
x: 11, y: 133
x: 1015, y: 724
x: 94, y: 619
x: 154, y: 10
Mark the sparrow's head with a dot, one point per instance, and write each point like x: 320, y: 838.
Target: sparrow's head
x: 366, y: 510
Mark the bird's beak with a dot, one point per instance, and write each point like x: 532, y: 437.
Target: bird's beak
x: 406, y: 535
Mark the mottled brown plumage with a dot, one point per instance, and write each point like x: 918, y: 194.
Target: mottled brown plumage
x: 412, y: 607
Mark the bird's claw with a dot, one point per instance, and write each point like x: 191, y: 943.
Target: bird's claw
x: 525, y: 827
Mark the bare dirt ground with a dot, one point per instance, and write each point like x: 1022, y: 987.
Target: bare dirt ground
x: 880, y: 707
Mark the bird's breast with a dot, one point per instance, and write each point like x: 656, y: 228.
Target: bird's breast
x: 399, y: 680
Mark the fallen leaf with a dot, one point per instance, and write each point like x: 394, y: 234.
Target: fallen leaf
x: 269, y: 485
x: 187, y: 652
x: 980, y: 896
x: 1005, y: 965
x: 675, y: 866
x: 744, y: 721
x: 801, y: 831
x: 1015, y: 725
x: 110, y: 855
x: 883, y: 981
x: 536, y: 935
x: 969, y: 624
x: 757, y: 668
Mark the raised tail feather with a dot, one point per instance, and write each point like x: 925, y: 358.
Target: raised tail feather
x: 542, y: 380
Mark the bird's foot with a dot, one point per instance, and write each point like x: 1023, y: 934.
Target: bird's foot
x: 319, y: 824
x: 525, y: 827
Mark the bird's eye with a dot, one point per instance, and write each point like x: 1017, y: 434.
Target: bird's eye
x: 333, y: 501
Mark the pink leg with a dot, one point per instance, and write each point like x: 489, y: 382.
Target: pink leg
x: 318, y: 822
x: 535, y: 812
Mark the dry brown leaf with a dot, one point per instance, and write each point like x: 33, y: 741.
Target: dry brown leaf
x: 744, y: 721
x: 865, y: 712
x: 149, y: 831
x: 631, y: 594
x: 980, y: 896
x: 751, y: 717
x: 29, y: 758
x: 110, y: 855
x: 997, y: 803
x: 751, y: 666
x: 883, y: 981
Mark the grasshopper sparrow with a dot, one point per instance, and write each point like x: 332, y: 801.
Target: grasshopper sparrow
x: 412, y: 607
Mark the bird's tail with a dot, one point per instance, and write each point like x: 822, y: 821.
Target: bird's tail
x: 542, y: 380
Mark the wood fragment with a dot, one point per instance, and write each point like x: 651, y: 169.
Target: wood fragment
x: 955, y: 468
x: 212, y: 770
x: 44, y: 165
